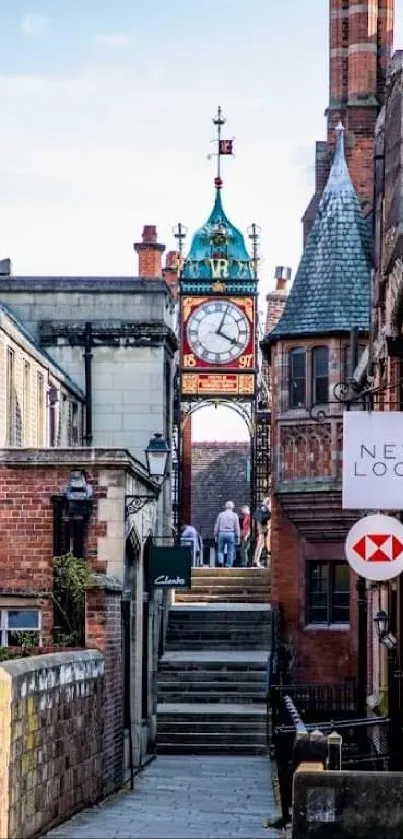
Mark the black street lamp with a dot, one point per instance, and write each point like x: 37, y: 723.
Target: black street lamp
x: 157, y: 454
x: 381, y: 621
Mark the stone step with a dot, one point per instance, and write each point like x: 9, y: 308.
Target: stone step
x: 195, y: 645
x: 229, y: 748
x: 230, y: 572
x: 213, y: 737
x: 206, y: 688
x: 206, y: 724
x: 253, y: 597
x: 188, y: 616
x: 230, y: 582
x: 191, y: 676
x: 224, y: 630
x: 212, y: 667
x: 228, y: 630
x: 219, y: 696
x: 209, y: 587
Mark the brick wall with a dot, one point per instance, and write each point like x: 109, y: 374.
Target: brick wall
x: 26, y: 527
x: 360, y: 43
x: 51, y: 744
x: 324, y: 655
x: 103, y: 630
x: 219, y: 474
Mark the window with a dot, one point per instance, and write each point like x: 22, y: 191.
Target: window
x: 27, y: 401
x: 297, y: 377
x: 320, y: 376
x: 40, y: 414
x: 10, y: 397
x: 328, y: 592
x: 15, y: 622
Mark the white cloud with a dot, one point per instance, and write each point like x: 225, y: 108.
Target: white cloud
x: 114, y: 40
x: 34, y: 24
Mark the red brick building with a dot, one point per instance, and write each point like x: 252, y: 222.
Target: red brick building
x: 360, y: 43
x: 310, y: 351
x: 385, y: 352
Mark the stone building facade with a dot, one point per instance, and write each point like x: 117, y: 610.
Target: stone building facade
x: 39, y: 404
x: 110, y: 342
x: 385, y: 351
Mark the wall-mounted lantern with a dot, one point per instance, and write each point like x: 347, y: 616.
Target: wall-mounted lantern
x: 156, y: 453
x: 78, y: 496
x: 381, y: 621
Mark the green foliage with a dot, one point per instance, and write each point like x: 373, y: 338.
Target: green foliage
x: 8, y: 653
x: 27, y: 640
x: 70, y: 576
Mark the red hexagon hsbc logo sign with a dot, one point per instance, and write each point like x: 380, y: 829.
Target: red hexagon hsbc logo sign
x: 374, y: 547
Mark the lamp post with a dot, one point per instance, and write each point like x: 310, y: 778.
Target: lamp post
x: 156, y: 454
x: 395, y: 731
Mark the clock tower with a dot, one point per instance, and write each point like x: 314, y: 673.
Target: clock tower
x: 218, y: 316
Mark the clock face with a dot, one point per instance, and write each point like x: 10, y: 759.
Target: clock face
x: 218, y: 332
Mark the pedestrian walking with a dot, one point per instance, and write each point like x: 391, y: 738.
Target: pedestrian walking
x: 245, y: 534
x: 227, y: 533
x: 190, y: 536
x: 262, y: 516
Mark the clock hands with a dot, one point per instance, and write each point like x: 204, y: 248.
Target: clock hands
x: 221, y: 324
x: 227, y: 338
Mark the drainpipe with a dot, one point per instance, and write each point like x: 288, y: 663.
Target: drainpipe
x: 88, y: 382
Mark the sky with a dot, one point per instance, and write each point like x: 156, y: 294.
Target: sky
x: 107, y: 124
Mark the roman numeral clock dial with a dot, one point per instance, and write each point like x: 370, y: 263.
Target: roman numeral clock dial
x: 218, y: 332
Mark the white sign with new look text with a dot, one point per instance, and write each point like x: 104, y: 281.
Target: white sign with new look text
x: 372, y: 460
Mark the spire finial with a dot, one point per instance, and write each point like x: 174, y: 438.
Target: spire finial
x: 218, y: 121
x: 223, y: 146
x: 339, y: 177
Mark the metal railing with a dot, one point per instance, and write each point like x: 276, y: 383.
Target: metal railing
x: 363, y: 743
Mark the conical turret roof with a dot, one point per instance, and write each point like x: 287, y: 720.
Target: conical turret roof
x: 331, y: 287
x: 218, y: 239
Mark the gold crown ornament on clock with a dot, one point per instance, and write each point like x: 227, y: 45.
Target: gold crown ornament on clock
x: 218, y: 332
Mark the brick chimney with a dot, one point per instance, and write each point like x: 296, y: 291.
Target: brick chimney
x: 150, y: 253
x: 170, y: 272
x: 276, y: 299
x: 360, y: 46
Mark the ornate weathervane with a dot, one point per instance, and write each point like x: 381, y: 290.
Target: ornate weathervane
x: 224, y: 147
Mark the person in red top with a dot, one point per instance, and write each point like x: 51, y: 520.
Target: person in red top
x: 245, y: 534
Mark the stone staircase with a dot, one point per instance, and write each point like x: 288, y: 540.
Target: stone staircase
x: 212, y: 679
x: 229, y: 585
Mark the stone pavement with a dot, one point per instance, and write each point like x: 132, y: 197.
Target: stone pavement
x: 190, y: 797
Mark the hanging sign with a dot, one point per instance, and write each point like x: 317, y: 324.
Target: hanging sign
x: 374, y: 547
x: 169, y: 567
x: 372, y: 460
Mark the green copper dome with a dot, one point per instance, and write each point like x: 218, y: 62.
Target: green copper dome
x: 218, y: 250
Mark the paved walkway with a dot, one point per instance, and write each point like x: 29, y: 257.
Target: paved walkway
x: 185, y: 798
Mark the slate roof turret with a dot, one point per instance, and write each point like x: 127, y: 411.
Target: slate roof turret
x: 331, y: 287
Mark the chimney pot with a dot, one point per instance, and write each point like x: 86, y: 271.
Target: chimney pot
x: 149, y: 233
x: 150, y: 252
x: 282, y: 275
